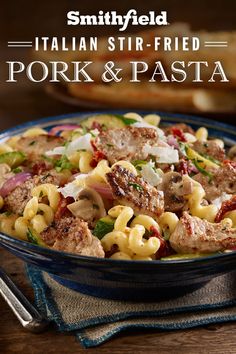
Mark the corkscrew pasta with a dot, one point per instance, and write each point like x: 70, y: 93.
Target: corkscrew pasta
x: 196, y: 208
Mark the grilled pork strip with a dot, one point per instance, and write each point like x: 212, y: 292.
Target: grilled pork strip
x: 36, y: 146
x: 194, y: 235
x: 209, y: 148
x: 125, y: 143
x: 224, y: 180
x: 133, y: 191
x: 19, y: 197
x: 71, y: 234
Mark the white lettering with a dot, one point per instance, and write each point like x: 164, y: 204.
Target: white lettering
x: 219, y: 71
x: 136, y: 71
x: 159, y: 70
x: 73, y: 18
x: 15, y: 67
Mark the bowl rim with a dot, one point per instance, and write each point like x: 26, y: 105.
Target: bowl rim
x: 10, y: 240
x: 211, y: 123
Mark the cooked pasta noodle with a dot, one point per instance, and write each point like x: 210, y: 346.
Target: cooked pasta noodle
x: 1, y: 202
x: 140, y: 246
x: 123, y: 215
x: 201, y: 134
x: 84, y: 161
x: 146, y: 221
x: 100, y: 171
x: 232, y: 216
x: 152, y: 119
x: 31, y: 208
x: 21, y: 227
x: 195, y: 200
x: 7, y: 224
x: 47, y: 190
x: 168, y: 220
x: 5, y: 148
x: 121, y: 255
x: 118, y: 238
x: 133, y: 115
x: 34, y: 132
x: 127, y: 165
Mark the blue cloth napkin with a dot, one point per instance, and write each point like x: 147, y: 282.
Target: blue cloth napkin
x: 95, y: 320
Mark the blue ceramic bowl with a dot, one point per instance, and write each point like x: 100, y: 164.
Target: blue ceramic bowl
x: 127, y: 280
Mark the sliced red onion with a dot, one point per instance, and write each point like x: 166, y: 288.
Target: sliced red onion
x: 60, y: 128
x: 103, y: 189
x: 172, y: 141
x: 193, y: 168
x: 13, y: 182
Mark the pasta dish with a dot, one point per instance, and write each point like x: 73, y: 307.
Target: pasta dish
x: 120, y: 187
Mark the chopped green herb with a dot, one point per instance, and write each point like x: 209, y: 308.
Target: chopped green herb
x: 166, y: 234
x: 49, y: 159
x: 34, y: 238
x: 63, y: 164
x: 202, y: 170
x: 136, y: 186
x: 93, y: 135
x: 138, y: 164
x: 41, y: 194
x: 31, y: 237
x: 17, y: 170
x: 103, y: 227
x: 45, y: 177
x: 109, y: 145
x: 13, y: 158
x: 66, y: 143
x: 153, y: 158
x: 8, y: 213
x: 32, y: 143
x: 125, y: 120
x: 85, y: 130
x: 104, y: 128
x: 95, y: 206
x: 183, y: 148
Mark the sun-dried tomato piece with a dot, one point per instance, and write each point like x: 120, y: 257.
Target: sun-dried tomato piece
x: 164, y: 249
x: 62, y: 209
x: 230, y: 162
x: 183, y: 167
x: 98, y: 156
x: 226, y: 206
x: 40, y: 166
x: 98, y: 126
x: 179, y: 134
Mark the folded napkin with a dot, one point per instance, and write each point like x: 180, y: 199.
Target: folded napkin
x: 96, y: 320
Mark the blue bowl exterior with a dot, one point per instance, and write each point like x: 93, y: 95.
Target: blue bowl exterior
x: 124, y: 279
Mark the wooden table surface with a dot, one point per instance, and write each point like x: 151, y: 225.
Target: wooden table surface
x: 24, y: 102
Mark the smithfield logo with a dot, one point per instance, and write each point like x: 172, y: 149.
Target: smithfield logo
x: 111, y: 18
